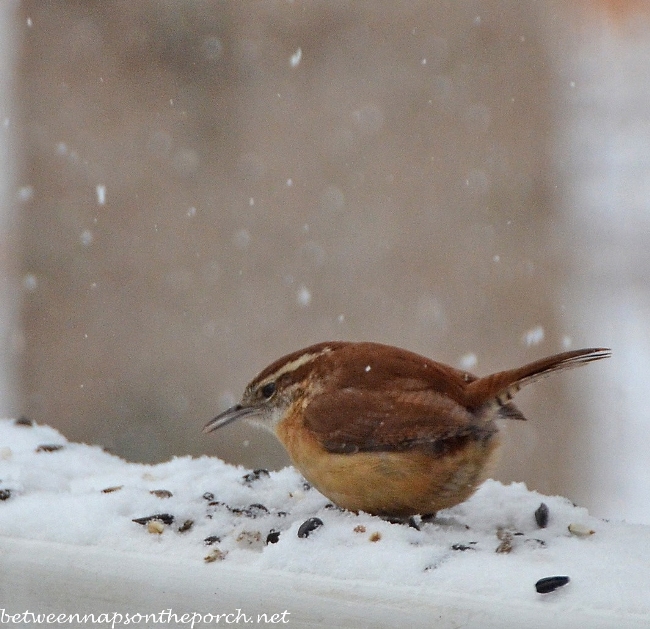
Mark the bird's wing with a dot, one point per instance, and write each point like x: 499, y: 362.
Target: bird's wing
x: 355, y: 420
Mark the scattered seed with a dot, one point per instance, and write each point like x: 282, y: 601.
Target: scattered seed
x: 535, y: 542
x: 23, y: 421
x: 161, y: 493
x: 155, y: 526
x: 359, y: 528
x: 249, y: 537
x: 215, y: 555
x: 461, y: 547
x: 410, y: 521
x: 431, y: 566
x: 504, y: 547
x: 209, y: 496
x: 49, y: 447
x: 255, y: 475
x: 165, y: 518
x: 541, y: 515
x: 306, y: 486
x: 5, y: 494
x: 110, y: 490
x: 506, y: 541
x: 273, y: 537
x: 186, y: 526
x: 549, y: 584
x: 252, y: 511
x: 375, y: 537
x: 580, y: 530
x: 308, y: 526
x: 212, y: 539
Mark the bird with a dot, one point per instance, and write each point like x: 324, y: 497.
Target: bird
x: 383, y: 430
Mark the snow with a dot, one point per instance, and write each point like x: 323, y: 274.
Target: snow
x: 85, y: 498
x: 295, y: 58
x: 468, y: 361
x: 101, y: 194
x: 303, y: 296
x: 534, y: 336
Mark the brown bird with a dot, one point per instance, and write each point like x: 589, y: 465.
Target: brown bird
x: 383, y: 430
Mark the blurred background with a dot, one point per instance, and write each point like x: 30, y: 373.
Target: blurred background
x: 193, y: 188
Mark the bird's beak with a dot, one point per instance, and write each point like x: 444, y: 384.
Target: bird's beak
x: 230, y: 415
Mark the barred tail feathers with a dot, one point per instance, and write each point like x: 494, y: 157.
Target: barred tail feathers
x: 502, y: 386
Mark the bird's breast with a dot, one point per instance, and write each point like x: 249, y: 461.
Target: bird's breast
x: 391, y: 483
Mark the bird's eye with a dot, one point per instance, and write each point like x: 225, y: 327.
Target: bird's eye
x: 268, y: 390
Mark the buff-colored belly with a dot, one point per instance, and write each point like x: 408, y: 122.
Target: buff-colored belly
x: 396, y: 484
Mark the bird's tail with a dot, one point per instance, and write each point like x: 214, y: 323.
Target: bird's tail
x: 499, y: 388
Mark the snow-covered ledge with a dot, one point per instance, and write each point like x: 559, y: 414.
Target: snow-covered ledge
x: 69, y: 545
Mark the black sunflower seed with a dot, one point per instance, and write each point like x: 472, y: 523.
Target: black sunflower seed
x: 308, y: 526
x: 273, y: 537
x: 165, y: 518
x: 49, y: 447
x: 255, y: 475
x: 541, y: 515
x: 550, y: 584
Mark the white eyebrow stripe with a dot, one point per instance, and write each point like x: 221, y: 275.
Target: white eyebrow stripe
x: 303, y: 359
